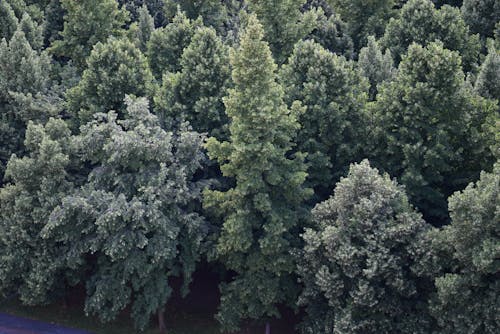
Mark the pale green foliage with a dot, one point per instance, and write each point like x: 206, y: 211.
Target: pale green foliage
x: 284, y: 24
x: 333, y: 127
x: 85, y: 24
x: 420, y: 22
x: 357, y: 263
x: 481, y: 15
x: 115, y: 69
x: 167, y: 44
x: 29, y: 265
x: 135, y: 216
x: 467, y: 292
x: 376, y: 66
x: 429, y: 128
x: 261, y: 213
x: 8, y: 21
x: 32, y: 31
x: 195, y: 93
x: 488, y: 81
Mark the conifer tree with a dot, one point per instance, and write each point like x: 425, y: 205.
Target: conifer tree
x: 115, y: 69
x: 145, y: 26
x: 195, y: 93
x: 54, y: 21
x: 481, y: 16
x: 8, y: 21
x: 332, y: 33
x: 32, y: 31
x: 212, y: 12
x: 261, y: 213
x: 85, y: 24
x: 333, y: 127
x: 487, y: 82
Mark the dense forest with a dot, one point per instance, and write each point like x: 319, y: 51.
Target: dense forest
x: 338, y: 158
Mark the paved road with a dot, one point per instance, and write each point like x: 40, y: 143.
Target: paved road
x: 15, y: 325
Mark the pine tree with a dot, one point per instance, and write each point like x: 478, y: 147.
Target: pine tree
x: 136, y: 214
x: 481, y: 16
x: 334, y: 127
x: 332, y: 33
x: 32, y: 31
x: 8, y: 21
x: 145, y: 25
x: 85, y: 24
x: 376, y: 66
x: 487, y: 82
x: 212, y: 12
x: 54, y: 21
x: 358, y: 264
x: 115, y: 69
x: 467, y: 289
x: 429, y: 128
x: 195, y: 93
x: 261, y: 213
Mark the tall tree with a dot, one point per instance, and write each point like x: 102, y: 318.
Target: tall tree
x: 85, y: 24
x: 333, y: 127
x: 195, y: 93
x: 8, y: 21
x: 420, y: 22
x: 430, y: 128
x: 135, y: 217
x: 145, y: 26
x: 115, y: 69
x: 358, y: 263
x: 332, y: 33
x: 212, y: 12
x: 467, y: 290
x: 261, y: 213
x: 487, y: 82
x: 481, y: 16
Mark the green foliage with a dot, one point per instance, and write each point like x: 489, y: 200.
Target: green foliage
x: 54, y: 21
x: 85, y: 24
x: 145, y: 26
x: 212, y: 12
x: 8, y: 21
x: 114, y: 70
x: 467, y: 298
x: 155, y: 7
x: 284, y: 24
x: 135, y: 217
x: 332, y: 33
x: 420, y: 22
x: 376, y: 66
x: 261, y: 213
x: 32, y: 31
x: 195, y: 93
x: 481, y: 15
x: 429, y: 128
x: 31, y: 266
x: 487, y: 82
x: 167, y: 44
x: 357, y: 265
x: 333, y: 127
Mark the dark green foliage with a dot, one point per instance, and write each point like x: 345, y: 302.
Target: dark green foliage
x: 155, y: 7
x: 195, y: 93
x: 54, y: 21
x: 166, y: 45
x: 358, y: 262
x: 331, y: 32
x: 212, y: 12
x: 8, y: 21
x: 135, y: 216
x: 145, y: 26
x: 429, y: 128
x: 481, y: 15
x: 30, y: 265
x: 420, y: 22
x: 85, y: 24
x: 467, y: 291
x: 114, y: 69
x: 488, y: 80
x: 334, y: 126
x: 261, y: 213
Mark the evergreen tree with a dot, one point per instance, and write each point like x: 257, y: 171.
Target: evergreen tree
x: 8, y: 21
x: 32, y: 31
x: 420, y: 22
x: 332, y: 33
x: 333, y: 126
x: 284, y: 24
x: 212, y: 12
x: 481, y: 15
x: 85, y: 24
x: 261, y: 213
x: 145, y: 25
x: 155, y: 7
x: 167, y: 44
x: 31, y: 266
x: 136, y: 215
x: 430, y: 128
x: 358, y: 262
x: 114, y: 69
x: 376, y: 66
x: 467, y: 290
x: 195, y: 93
x: 487, y: 82
x: 54, y: 21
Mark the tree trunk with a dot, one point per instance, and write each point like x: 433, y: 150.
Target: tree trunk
x: 268, y: 328
x: 161, y: 321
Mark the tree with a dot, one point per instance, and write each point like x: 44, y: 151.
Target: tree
x: 85, y: 24
x: 481, y: 16
x: 212, y: 12
x: 8, y: 21
x: 376, y: 66
x: 333, y: 126
x: 145, y: 26
x: 136, y: 214
x: 54, y: 21
x: 284, y: 24
x: 114, y: 70
x: 420, y: 22
x: 32, y: 31
x: 332, y: 33
x: 31, y: 266
x: 467, y: 289
x: 487, y: 83
x: 357, y: 264
x: 167, y: 44
x: 156, y: 8
x: 429, y: 128
x: 261, y: 213
x: 195, y: 93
